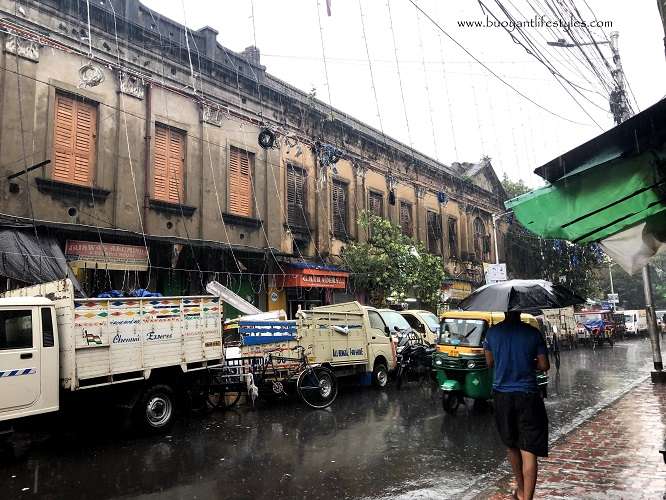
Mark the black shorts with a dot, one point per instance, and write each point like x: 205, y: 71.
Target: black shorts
x: 522, y: 421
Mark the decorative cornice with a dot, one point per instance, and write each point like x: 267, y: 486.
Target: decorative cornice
x: 131, y: 85
x: 212, y: 115
x: 21, y: 47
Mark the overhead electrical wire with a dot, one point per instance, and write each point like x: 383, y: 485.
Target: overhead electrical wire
x: 487, y: 68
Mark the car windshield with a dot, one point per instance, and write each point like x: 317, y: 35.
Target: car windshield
x: 583, y: 318
x: 432, y: 321
x: 393, y: 319
x: 468, y: 332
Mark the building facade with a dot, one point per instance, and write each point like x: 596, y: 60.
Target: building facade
x: 156, y: 158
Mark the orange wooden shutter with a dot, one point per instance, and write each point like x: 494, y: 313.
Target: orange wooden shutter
x: 160, y: 164
x: 168, y: 165
x: 240, y: 182
x: 74, y: 140
x: 176, y: 158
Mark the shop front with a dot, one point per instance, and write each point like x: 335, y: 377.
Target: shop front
x: 306, y: 285
x: 105, y: 266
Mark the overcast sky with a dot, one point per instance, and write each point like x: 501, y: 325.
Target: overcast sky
x: 456, y: 110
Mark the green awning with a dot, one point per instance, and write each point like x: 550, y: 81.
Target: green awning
x: 598, y: 200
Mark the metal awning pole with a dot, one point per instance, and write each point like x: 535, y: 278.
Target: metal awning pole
x: 658, y: 373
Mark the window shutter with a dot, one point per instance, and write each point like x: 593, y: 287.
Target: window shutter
x: 339, y: 208
x: 161, y: 164
x: 168, y: 165
x: 296, y: 213
x: 376, y: 204
x: 240, y: 177
x: 434, y: 232
x: 406, y: 218
x: 175, y: 169
x: 453, y: 239
x: 74, y: 140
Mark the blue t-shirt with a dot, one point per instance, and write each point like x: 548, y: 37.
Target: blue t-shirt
x: 514, y: 347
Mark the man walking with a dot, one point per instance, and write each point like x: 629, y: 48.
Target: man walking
x: 517, y: 350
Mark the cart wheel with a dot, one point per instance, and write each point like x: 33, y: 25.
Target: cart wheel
x: 317, y: 386
x: 450, y: 402
x: 225, y: 398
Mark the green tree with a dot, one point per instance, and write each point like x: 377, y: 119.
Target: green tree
x: 630, y: 287
x: 391, y: 264
x: 514, y: 188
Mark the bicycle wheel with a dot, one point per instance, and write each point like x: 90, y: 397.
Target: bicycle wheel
x: 317, y: 386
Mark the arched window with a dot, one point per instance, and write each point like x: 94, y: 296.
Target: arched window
x: 481, y: 240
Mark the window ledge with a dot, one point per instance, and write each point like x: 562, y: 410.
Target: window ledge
x: 171, y: 208
x: 240, y: 220
x: 301, y: 231
x: 66, y: 189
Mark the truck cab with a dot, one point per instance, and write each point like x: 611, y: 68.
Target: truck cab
x: 29, y: 357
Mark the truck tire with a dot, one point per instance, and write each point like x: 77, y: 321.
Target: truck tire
x: 156, y: 409
x: 380, y: 375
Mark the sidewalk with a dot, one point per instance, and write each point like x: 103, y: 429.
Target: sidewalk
x: 613, y: 455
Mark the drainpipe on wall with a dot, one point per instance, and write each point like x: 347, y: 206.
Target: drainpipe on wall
x: 146, y: 158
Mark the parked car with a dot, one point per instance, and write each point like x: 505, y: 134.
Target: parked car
x: 395, y: 322
x: 424, y: 323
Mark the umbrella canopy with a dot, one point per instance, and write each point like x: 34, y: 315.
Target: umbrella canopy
x: 520, y: 295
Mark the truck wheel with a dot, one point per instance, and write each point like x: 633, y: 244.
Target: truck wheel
x: 380, y: 375
x: 155, y: 410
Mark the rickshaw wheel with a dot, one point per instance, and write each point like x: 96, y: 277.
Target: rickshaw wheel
x: 450, y: 402
x: 317, y: 386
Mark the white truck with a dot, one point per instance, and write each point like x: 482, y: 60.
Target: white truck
x: 635, y: 321
x: 348, y: 338
x: 144, y: 351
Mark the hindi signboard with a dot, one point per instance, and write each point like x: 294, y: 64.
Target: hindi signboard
x: 113, y: 256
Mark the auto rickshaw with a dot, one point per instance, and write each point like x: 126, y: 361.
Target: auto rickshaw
x: 460, y: 363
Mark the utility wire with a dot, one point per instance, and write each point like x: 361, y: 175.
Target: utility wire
x: 487, y: 68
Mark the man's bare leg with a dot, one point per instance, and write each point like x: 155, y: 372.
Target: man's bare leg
x: 529, y: 461
x: 516, y: 460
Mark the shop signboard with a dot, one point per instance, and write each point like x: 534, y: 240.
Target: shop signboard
x: 495, y: 273
x: 113, y: 256
x: 314, y: 278
x: 456, y: 289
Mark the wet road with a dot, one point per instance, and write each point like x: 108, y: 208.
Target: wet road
x: 370, y: 444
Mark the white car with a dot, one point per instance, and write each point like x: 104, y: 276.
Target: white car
x: 424, y: 323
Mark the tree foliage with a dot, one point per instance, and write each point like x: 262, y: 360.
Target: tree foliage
x: 514, y: 188
x: 630, y: 287
x: 392, y: 265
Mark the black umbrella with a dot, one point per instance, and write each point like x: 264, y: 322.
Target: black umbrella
x: 520, y: 295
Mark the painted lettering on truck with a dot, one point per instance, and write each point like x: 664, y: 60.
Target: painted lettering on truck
x: 338, y: 353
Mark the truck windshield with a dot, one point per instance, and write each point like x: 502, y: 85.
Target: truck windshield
x: 432, y: 321
x: 467, y: 332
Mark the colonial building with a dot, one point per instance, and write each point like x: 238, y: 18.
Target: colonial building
x: 153, y: 157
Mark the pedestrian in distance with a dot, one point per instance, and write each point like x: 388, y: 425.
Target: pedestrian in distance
x: 517, y: 350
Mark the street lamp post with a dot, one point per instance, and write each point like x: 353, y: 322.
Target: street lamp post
x: 495, y: 218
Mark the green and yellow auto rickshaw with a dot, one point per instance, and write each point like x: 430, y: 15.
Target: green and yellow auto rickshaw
x: 460, y: 363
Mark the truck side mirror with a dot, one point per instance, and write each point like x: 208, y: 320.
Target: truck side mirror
x: 387, y: 330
